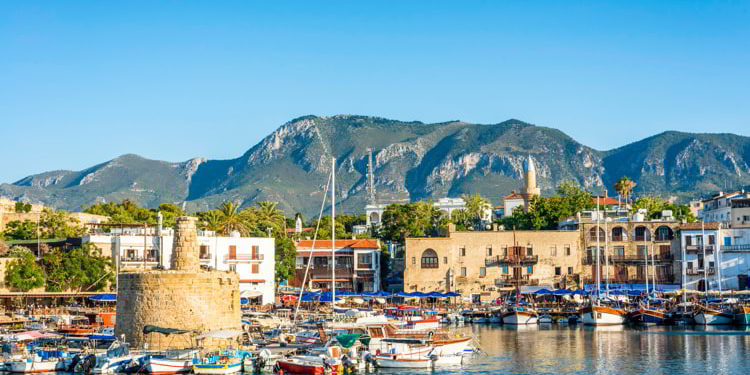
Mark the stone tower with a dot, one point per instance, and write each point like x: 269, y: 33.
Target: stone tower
x: 185, y: 254
x: 530, y: 188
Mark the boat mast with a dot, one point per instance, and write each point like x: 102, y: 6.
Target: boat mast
x: 705, y: 269
x: 717, y: 258
x: 606, y: 253
x: 333, y: 231
x: 645, y: 258
x: 598, y: 255
x: 653, y: 270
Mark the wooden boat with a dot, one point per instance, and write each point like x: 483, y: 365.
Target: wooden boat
x: 230, y: 366
x: 171, y: 362
x: 596, y: 315
x: 648, y: 316
x: 742, y: 315
x: 40, y: 361
x: 518, y: 315
x: 706, y: 315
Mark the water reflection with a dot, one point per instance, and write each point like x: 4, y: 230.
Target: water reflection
x: 608, y: 350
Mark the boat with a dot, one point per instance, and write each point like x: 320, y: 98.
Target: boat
x: 40, y: 360
x: 602, y: 315
x: 115, y: 360
x: 415, y: 354
x: 171, y: 362
x: 220, y: 363
x: 518, y: 315
x: 648, y: 316
x: 546, y: 319
x: 742, y: 315
x: 708, y: 315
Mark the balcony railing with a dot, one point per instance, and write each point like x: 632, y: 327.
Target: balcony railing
x: 243, y: 257
x: 639, y: 258
x: 321, y: 272
x: 509, y: 280
x: 743, y: 247
x: 699, y: 272
x: 503, y: 259
x: 698, y: 248
x: 139, y: 259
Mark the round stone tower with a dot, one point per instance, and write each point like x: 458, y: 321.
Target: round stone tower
x: 184, y: 297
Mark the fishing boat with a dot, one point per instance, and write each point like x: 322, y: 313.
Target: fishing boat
x: 648, y: 316
x: 220, y: 363
x: 39, y: 361
x: 519, y: 315
x: 171, y: 362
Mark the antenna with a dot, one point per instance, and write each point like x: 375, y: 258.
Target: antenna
x: 370, y: 177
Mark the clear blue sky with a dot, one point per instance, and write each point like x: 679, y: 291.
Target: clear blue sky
x: 83, y: 82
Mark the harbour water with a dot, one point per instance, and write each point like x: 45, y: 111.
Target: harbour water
x: 605, y: 350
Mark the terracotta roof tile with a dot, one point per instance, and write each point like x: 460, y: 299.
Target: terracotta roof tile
x: 697, y: 226
x: 354, y: 244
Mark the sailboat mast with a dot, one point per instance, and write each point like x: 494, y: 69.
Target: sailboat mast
x: 653, y: 267
x: 705, y: 269
x: 606, y: 251
x: 598, y: 254
x: 333, y: 231
x: 645, y: 258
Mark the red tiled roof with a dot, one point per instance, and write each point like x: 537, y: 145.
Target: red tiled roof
x: 324, y: 253
x: 498, y: 207
x: 607, y: 201
x: 354, y: 244
x: 294, y: 230
x: 697, y: 226
x: 514, y: 196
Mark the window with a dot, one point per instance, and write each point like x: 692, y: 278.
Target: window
x: 255, y: 253
x: 130, y: 253
x: 204, y: 254
x: 430, y: 259
x: 233, y: 268
x: 727, y: 241
x: 553, y: 251
x: 505, y: 251
x: 505, y: 269
x: 463, y: 271
x: 570, y: 270
x: 530, y: 270
x: 689, y: 265
x: 619, y: 251
x: 255, y: 268
x: 364, y: 259
x: 445, y: 260
x: 618, y: 234
x: 642, y: 234
x: 711, y: 239
x: 688, y: 240
x: 489, y: 251
x: 413, y: 260
x: 567, y: 250
x: 710, y: 265
x: 642, y: 251
x: 529, y: 252
x: 558, y: 271
x: 482, y: 271
x: 232, y: 252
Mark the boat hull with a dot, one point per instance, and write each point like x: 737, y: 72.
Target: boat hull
x: 713, y: 318
x: 742, y: 317
x: 305, y: 368
x: 602, y: 315
x: 520, y: 318
x: 167, y: 366
x: 217, y: 369
x: 395, y: 362
x: 648, y: 317
x: 33, y: 367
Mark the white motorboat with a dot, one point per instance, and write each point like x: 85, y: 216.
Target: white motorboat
x: 172, y: 362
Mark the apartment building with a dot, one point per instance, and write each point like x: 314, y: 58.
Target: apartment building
x: 714, y: 254
x: 357, y: 265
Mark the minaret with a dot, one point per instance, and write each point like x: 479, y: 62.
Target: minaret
x: 530, y: 189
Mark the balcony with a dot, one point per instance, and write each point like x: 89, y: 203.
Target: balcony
x: 504, y: 260
x: 205, y: 258
x: 733, y: 248
x: 139, y: 260
x: 325, y: 272
x: 636, y: 259
x: 697, y: 249
x: 508, y: 281
x: 699, y: 272
x: 243, y: 258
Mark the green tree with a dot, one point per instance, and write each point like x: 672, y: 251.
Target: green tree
x: 18, y: 251
x: 22, y: 207
x: 24, y: 273
x: 417, y: 219
x: 58, y: 224
x: 82, y: 269
x: 546, y: 213
x: 210, y: 220
x: 20, y: 230
x: 656, y: 205
x: 286, y: 259
x: 232, y: 219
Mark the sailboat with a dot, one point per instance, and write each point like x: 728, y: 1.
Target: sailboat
x: 517, y: 314
x: 708, y: 314
x: 597, y: 314
x: 649, y: 315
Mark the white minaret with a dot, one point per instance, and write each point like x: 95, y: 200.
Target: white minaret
x: 530, y: 189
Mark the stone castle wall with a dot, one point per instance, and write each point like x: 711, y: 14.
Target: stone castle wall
x: 183, y: 298
x: 199, y: 301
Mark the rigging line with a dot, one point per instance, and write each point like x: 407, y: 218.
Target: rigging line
x: 315, y: 238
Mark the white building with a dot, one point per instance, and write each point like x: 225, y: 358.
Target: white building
x: 727, y: 247
x: 718, y: 208
x: 446, y: 206
x: 253, y: 258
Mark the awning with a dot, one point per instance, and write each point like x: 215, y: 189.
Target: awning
x: 251, y: 293
x: 166, y: 331
x: 109, y: 297
x: 222, y: 334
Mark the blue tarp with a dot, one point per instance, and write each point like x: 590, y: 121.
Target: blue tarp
x: 543, y: 292
x: 562, y: 292
x: 452, y: 294
x: 659, y: 287
x: 109, y: 297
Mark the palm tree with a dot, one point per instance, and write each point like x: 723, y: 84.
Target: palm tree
x: 268, y: 215
x: 625, y: 187
x: 232, y: 219
x: 211, y: 220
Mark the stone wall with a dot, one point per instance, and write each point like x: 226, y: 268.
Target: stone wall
x: 197, y: 301
x: 185, y: 251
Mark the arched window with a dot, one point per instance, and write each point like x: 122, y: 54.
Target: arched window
x: 618, y: 234
x: 593, y: 231
x: 664, y: 233
x: 642, y: 234
x: 429, y: 259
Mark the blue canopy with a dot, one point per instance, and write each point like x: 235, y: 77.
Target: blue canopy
x: 328, y: 298
x: 108, y: 297
x: 562, y: 292
x: 309, y: 298
x: 452, y: 294
x: 579, y: 292
x: 543, y: 292
x: 383, y: 293
x: 244, y: 301
x: 435, y: 295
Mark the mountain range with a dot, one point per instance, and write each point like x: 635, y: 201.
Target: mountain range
x: 412, y: 161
